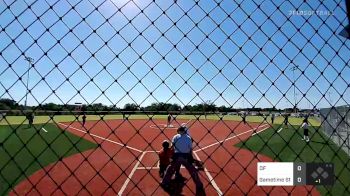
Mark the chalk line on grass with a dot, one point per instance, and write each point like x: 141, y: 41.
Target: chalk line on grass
x: 279, y: 130
x: 44, y: 129
x: 102, y: 138
x: 260, y: 131
x: 131, y: 174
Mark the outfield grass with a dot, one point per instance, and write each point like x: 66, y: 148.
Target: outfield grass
x: 15, y: 120
x: 25, y: 150
x: 287, y: 146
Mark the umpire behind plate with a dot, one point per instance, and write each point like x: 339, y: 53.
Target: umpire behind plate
x: 182, y: 144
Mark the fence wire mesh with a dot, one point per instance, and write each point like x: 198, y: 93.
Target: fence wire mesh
x: 336, y: 125
x: 89, y: 90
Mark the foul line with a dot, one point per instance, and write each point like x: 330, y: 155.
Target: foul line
x: 279, y: 130
x: 188, y: 121
x: 232, y: 137
x: 211, y: 179
x: 102, y: 138
x: 44, y: 129
x: 147, y: 168
x: 148, y: 151
x: 131, y: 174
x: 162, y: 126
x: 259, y: 131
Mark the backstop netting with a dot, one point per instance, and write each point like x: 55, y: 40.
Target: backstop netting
x: 94, y: 90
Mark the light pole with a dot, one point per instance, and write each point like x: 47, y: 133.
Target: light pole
x: 295, y: 67
x: 287, y: 104
x: 30, y: 62
x: 315, y: 103
x: 330, y: 98
x: 205, y: 104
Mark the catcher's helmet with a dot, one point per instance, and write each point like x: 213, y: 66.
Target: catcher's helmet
x: 165, y: 144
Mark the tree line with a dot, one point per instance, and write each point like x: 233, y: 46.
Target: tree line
x: 9, y: 104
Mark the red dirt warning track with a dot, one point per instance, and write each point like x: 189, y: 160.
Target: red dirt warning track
x: 125, y: 163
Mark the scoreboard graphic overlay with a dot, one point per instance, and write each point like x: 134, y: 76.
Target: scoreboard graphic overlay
x: 293, y: 174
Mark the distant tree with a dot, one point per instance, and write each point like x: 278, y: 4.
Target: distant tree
x: 206, y: 107
x: 4, y: 106
x: 152, y: 107
x: 98, y: 107
x: 233, y: 110
x: 131, y: 107
x: 198, y: 107
x: 84, y: 107
x: 174, y: 107
x: 223, y: 109
x: 256, y: 109
x: 9, y: 103
x: 269, y: 109
x: 187, y: 108
x: 89, y: 108
x: 113, y: 108
x: 161, y: 106
x: 289, y: 110
x: 68, y: 107
x: 51, y: 106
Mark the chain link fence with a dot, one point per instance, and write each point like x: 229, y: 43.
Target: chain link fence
x: 336, y: 125
x: 91, y: 89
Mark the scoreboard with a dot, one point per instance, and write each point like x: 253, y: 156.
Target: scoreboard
x: 293, y: 174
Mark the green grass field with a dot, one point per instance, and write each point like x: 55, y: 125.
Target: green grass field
x: 25, y: 150
x: 287, y: 146
x: 12, y: 120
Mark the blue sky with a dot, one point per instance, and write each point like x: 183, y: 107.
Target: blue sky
x: 216, y: 41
